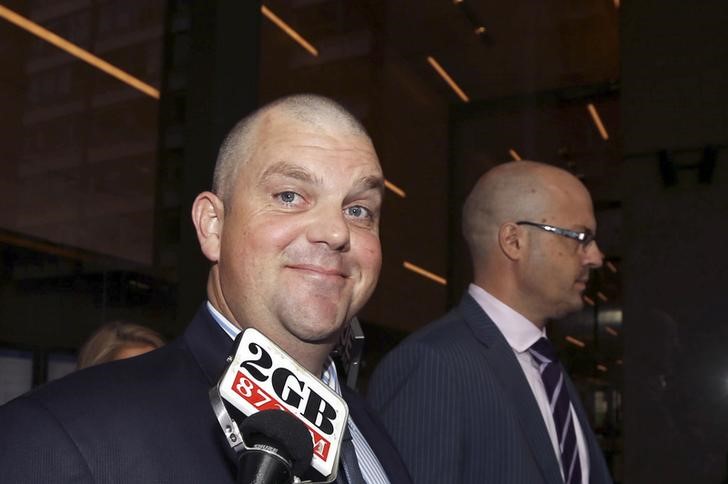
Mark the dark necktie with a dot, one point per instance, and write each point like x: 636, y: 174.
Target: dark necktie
x: 349, y: 463
x: 552, y: 375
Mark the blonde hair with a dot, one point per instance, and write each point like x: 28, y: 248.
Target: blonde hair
x: 106, y: 342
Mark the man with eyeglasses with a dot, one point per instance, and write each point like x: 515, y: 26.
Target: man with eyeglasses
x: 479, y: 395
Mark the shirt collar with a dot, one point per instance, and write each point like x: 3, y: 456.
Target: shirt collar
x: 222, y: 321
x: 519, y: 332
x: 329, y: 376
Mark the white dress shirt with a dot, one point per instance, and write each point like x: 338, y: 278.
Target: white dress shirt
x: 370, y: 467
x: 521, y: 334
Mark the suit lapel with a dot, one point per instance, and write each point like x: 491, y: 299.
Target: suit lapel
x: 209, y: 344
x: 501, y: 358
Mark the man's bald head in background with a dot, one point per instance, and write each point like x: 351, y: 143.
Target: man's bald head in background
x: 538, y: 273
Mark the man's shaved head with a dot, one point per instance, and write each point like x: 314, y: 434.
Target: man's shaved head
x: 240, y: 143
x: 538, y: 273
x: 518, y: 190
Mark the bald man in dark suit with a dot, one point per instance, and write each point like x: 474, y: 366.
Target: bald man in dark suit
x: 291, y: 231
x: 479, y: 395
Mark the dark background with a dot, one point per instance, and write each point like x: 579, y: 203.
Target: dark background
x: 97, y: 178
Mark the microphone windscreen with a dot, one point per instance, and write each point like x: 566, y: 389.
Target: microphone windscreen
x: 286, y: 430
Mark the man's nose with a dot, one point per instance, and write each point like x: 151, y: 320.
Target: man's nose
x: 594, y: 256
x: 330, y: 227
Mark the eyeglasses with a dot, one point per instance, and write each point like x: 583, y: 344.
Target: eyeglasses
x: 584, y: 238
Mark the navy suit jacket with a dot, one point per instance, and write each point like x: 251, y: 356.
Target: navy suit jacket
x: 146, y: 419
x: 460, y: 410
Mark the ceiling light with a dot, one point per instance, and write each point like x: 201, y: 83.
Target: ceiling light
x: 611, y: 331
x: 480, y: 30
x: 574, y: 341
x: 588, y: 300
x: 602, y: 368
x: 425, y: 273
x: 395, y: 188
x: 288, y: 30
x: 601, y: 296
x: 611, y: 266
x: 514, y: 154
x: 597, y: 121
x: 78, y: 52
x: 453, y: 85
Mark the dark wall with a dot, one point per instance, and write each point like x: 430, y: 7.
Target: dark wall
x: 674, y: 98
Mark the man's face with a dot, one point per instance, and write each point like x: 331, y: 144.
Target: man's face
x: 557, y: 268
x: 300, y: 251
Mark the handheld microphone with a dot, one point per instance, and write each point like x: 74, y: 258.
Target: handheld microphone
x: 260, y: 377
x: 278, y: 448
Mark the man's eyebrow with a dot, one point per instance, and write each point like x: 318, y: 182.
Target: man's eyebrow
x: 289, y: 170
x: 372, y: 182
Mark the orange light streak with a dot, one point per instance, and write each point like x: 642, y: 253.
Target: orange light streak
x: 288, y: 30
x: 597, y: 121
x: 395, y: 188
x: 77, y: 52
x: 574, y: 341
x: 449, y: 80
x: 425, y: 273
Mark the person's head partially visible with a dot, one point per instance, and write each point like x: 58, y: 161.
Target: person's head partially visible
x: 292, y: 224
x: 530, y: 229
x: 116, y: 341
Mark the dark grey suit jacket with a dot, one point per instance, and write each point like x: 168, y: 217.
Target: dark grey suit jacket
x: 459, y: 408
x: 142, y: 420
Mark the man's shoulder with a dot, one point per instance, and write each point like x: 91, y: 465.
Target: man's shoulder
x: 449, y: 330
x: 105, y: 417
x: 113, y: 388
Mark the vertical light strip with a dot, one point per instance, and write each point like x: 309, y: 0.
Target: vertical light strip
x: 446, y: 77
x: 425, y: 273
x: 288, y: 30
x: 395, y: 188
x: 597, y: 121
x: 574, y: 341
x: 514, y: 154
x: 78, y: 52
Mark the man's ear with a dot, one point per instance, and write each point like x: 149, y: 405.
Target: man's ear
x: 208, y: 214
x: 510, y: 240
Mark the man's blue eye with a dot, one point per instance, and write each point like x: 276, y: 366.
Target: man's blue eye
x: 358, y: 211
x: 287, y: 197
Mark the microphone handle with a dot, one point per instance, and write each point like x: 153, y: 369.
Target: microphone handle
x: 256, y: 466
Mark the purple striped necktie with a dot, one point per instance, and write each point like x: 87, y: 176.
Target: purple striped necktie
x: 552, y: 375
